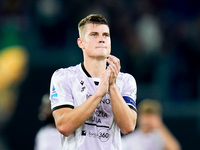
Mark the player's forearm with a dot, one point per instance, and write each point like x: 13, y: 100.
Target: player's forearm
x: 124, y: 116
x: 69, y: 121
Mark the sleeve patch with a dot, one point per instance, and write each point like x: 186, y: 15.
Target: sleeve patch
x: 53, y: 92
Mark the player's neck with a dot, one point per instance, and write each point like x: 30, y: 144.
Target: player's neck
x: 95, y: 67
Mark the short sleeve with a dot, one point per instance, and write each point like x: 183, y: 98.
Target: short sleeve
x: 60, y: 91
x: 129, y: 91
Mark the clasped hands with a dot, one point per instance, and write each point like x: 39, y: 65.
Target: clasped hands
x: 113, y: 69
x: 109, y: 76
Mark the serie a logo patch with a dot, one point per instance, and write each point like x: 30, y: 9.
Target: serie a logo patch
x: 54, y: 93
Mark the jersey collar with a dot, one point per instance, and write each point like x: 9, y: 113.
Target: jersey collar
x: 85, y: 71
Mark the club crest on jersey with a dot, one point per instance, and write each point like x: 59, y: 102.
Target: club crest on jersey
x: 54, y: 93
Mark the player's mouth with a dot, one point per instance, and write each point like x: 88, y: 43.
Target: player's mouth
x: 101, y: 46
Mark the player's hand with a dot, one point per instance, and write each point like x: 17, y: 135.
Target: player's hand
x: 114, y: 67
x: 104, y: 83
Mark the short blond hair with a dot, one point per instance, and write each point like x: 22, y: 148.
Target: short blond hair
x: 92, y: 18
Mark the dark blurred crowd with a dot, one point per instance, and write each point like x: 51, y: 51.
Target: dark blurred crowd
x: 156, y: 40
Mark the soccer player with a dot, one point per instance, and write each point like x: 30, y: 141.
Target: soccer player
x: 152, y: 133
x: 93, y: 101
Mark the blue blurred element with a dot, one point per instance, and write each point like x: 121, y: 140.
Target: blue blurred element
x: 157, y: 42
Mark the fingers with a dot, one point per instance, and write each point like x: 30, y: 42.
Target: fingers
x: 104, y: 82
x: 109, y: 76
x: 105, y: 76
x: 113, y: 70
x: 114, y: 67
x: 114, y: 64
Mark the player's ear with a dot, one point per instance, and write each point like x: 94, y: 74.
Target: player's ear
x: 80, y: 43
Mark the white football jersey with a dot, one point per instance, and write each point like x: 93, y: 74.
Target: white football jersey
x: 71, y: 87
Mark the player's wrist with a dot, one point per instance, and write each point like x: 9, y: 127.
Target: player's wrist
x: 99, y: 95
x: 113, y: 87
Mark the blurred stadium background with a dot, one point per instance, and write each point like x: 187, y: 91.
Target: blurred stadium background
x: 157, y: 41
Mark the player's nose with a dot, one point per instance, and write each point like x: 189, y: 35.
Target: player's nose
x: 101, y: 39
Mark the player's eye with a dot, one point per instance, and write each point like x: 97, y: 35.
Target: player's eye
x: 106, y: 35
x: 94, y: 34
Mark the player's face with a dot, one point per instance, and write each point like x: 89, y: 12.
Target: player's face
x: 96, y: 40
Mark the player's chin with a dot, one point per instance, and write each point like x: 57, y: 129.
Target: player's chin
x: 103, y: 53
x: 106, y: 53
x: 101, y: 57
